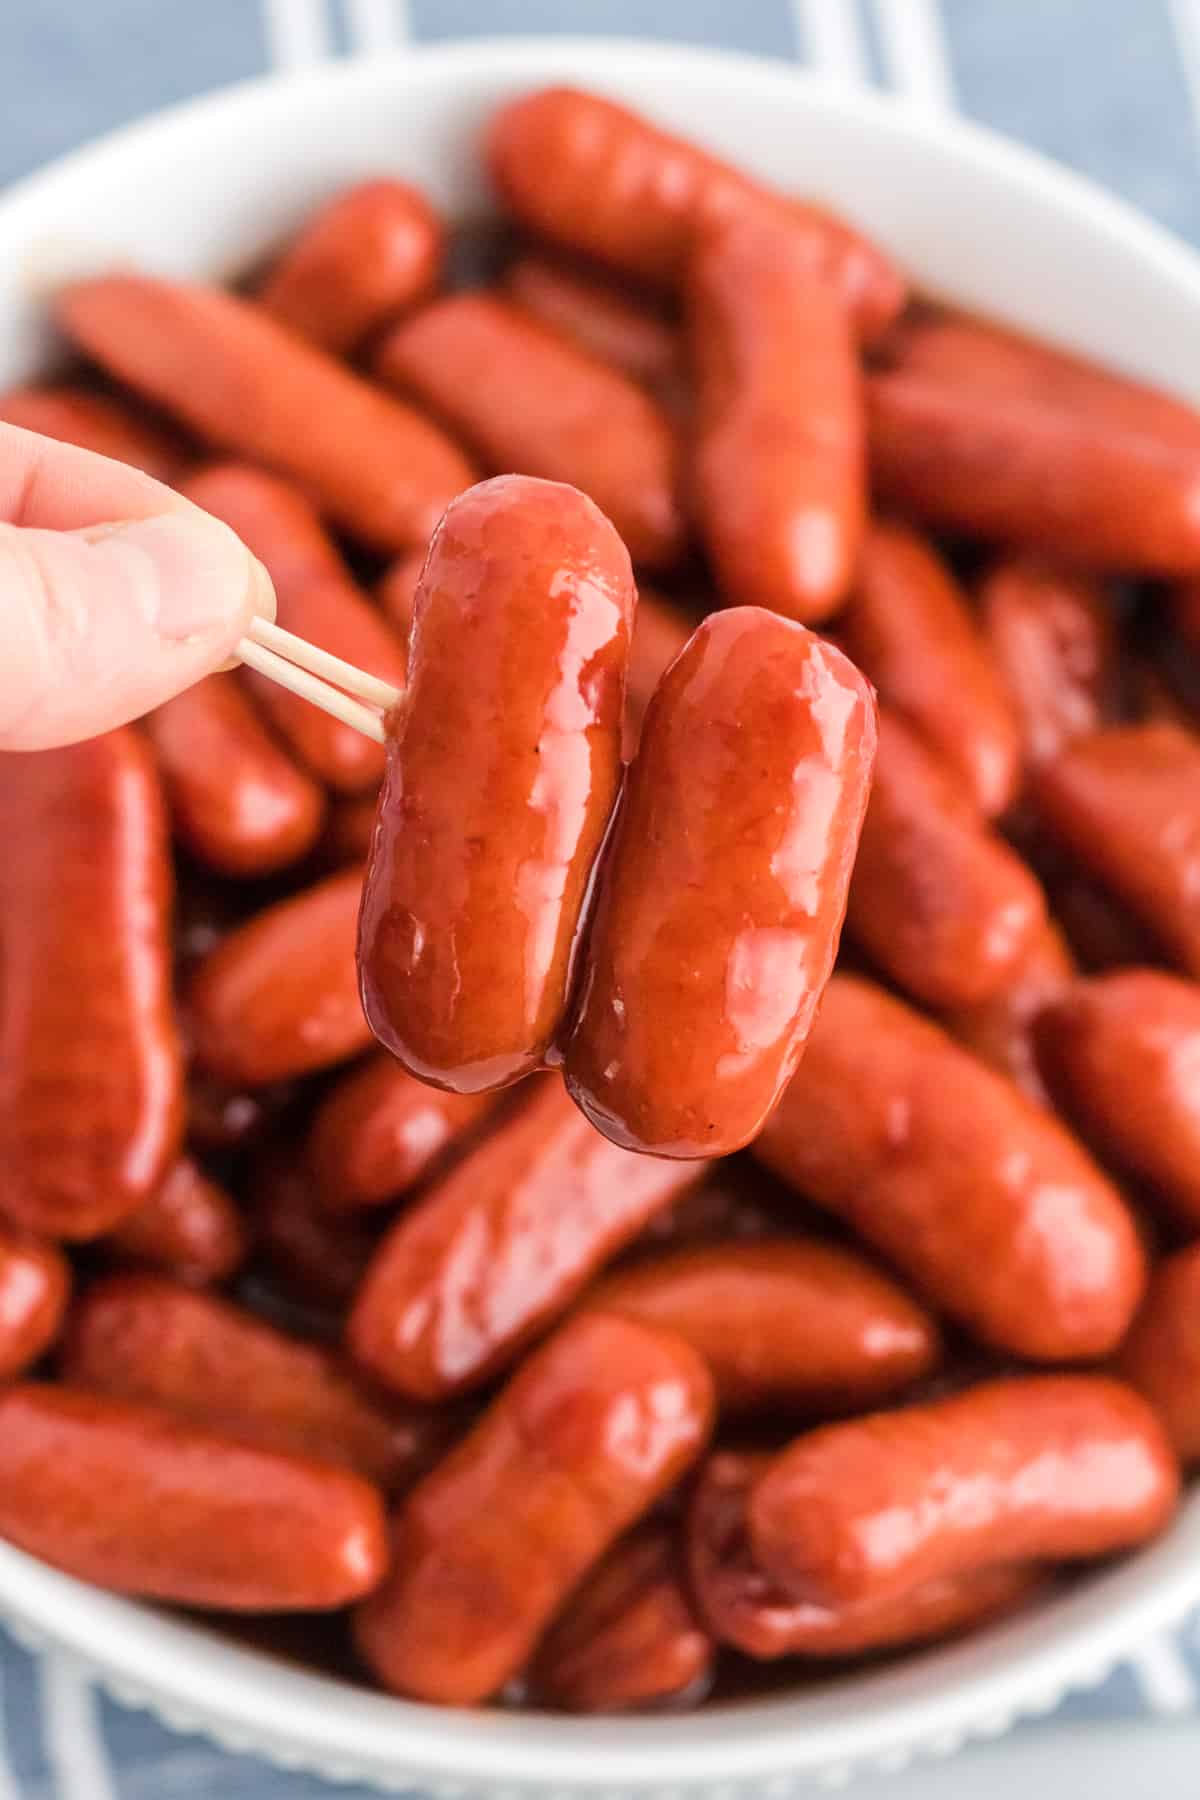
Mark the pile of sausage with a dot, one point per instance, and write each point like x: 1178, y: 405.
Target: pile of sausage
x: 901, y: 1315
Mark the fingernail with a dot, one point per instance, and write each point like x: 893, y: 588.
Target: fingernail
x: 263, y: 602
x: 204, y: 580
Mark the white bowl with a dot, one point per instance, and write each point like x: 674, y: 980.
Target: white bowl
x: 200, y: 191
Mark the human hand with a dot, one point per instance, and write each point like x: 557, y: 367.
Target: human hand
x: 115, y: 593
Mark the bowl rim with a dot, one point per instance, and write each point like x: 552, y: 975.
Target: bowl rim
x: 586, y: 59
x: 194, y: 1679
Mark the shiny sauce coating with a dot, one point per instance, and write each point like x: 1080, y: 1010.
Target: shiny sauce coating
x: 502, y: 772
x: 722, y: 896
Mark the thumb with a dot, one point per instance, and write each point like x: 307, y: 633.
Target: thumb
x: 101, y: 625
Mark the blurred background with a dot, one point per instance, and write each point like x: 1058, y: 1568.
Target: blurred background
x: 1109, y: 87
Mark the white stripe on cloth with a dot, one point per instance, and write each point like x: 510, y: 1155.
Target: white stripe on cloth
x: 1185, y: 17
x: 1161, y: 1671
x: 829, y: 38
x: 297, y: 32
x: 373, y: 25
x: 913, y: 42
x: 74, y: 1744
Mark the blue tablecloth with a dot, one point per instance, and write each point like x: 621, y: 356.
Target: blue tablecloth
x: 1111, y: 87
